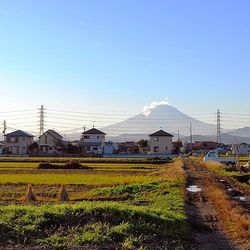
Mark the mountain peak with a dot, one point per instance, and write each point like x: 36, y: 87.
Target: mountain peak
x: 155, y: 105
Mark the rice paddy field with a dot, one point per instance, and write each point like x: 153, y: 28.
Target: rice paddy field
x: 112, y: 204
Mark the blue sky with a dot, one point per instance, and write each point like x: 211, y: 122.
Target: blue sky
x: 121, y: 55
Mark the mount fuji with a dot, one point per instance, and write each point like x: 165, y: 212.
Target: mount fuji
x: 160, y: 116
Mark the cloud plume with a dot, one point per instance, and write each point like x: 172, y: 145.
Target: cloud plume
x: 148, y: 108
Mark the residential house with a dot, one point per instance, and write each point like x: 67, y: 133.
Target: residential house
x: 50, y: 142
x: 160, y: 142
x: 1, y: 147
x: 92, y: 142
x: 241, y: 149
x: 18, y: 142
x: 109, y: 148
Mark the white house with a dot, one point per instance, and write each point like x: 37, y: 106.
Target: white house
x: 160, y: 142
x: 50, y: 142
x: 18, y: 142
x: 93, y: 142
x: 109, y: 148
x: 1, y: 147
x: 241, y: 149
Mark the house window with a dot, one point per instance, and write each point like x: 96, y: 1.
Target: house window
x: 156, y: 138
x: 86, y: 137
x: 23, y: 138
x: 95, y: 148
x: 166, y: 148
x: 46, y: 139
x: 98, y: 137
x: 156, y: 149
x: 12, y: 139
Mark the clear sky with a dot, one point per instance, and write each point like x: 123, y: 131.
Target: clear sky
x: 121, y: 55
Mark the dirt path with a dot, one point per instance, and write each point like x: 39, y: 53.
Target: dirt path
x: 206, y: 227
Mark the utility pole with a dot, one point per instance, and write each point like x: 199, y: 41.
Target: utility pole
x: 178, y: 135
x: 41, y: 120
x: 191, y: 134
x: 4, y: 130
x: 218, y: 139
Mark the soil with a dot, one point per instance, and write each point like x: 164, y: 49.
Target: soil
x: 206, y: 227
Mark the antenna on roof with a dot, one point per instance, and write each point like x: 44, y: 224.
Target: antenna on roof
x: 93, y: 124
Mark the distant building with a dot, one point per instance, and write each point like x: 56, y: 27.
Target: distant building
x: 161, y: 142
x: 109, y: 148
x: 129, y: 147
x: 93, y: 142
x: 1, y: 147
x: 18, y: 142
x: 241, y: 149
x: 50, y: 142
x: 205, y: 145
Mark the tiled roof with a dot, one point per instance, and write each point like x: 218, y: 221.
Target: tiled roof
x: 161, y: 133
x: 93, y: 131
x: 54, y: 134
x: 97, y: 144
x: 19, y: 133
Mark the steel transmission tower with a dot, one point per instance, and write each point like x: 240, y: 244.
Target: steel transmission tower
x: 41, y: 120
x: 218, y: 139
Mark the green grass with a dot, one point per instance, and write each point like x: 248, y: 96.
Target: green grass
x: 80, y: 159
x: 97, y: 166
x: 143, y: 210
x: 92, y: 224
x: 76, y: 178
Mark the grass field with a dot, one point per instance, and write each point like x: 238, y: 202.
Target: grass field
x: 223, y: 169
x: 119, y: 205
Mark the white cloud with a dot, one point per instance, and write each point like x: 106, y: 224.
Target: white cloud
x: 148, y: 108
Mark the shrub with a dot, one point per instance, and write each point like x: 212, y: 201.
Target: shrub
x: 69, y: 165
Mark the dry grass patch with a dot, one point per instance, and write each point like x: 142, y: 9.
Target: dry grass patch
x: 172, y: 171
x: 235, y: 219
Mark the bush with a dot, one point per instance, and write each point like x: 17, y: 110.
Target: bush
x: 69, y: 165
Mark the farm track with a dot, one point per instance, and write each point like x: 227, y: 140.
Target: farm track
x: 205, y: 221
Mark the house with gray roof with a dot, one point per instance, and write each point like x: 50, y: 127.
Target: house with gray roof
x: 92, y: 142
x: 1, y: 147
x: 50, y: 142
x: 161, y: 143
x: 18, y: 142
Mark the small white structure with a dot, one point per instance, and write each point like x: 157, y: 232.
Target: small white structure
x: 160, y: 142
x: 50, y: 142
x: 1, y: 147
x: 109, y: 148
x: 18, y: 142
x: 93, y: 142
x: 241, y: 149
